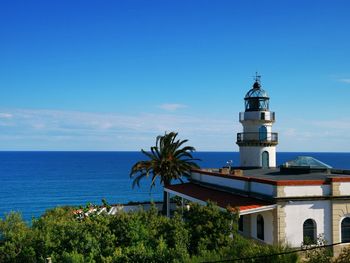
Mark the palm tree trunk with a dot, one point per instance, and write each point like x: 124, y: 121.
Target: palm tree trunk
x: 165, y: 199
x: 165, y: 203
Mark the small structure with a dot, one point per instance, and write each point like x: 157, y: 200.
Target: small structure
x: 291, y: 204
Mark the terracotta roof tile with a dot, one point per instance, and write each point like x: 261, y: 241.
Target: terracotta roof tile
x: 222, y: 199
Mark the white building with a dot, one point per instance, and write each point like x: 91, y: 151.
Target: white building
x: 300, y: 200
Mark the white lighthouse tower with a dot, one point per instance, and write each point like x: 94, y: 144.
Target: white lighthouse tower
x: 257, y: 143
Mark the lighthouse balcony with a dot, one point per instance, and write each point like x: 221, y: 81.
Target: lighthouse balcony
x: 267, y: 116
x: 257, y: 138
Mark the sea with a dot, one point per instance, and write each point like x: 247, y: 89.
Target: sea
x: 32, y: 182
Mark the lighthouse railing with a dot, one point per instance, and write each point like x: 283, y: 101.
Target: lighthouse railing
x: 257, y: 137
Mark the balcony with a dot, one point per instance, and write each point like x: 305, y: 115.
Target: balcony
x: 268, y: 116
x: 257, y: 138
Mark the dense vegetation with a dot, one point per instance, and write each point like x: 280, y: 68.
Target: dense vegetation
x: 202, y: 234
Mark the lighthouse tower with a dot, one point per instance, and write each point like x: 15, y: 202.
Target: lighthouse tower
x: 257, y: 143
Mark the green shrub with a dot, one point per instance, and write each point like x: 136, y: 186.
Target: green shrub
x: 210, y: 228
x: 203, y: 233
x: 344, y: 256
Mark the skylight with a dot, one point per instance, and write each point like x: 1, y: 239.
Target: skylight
x: 306, y: 161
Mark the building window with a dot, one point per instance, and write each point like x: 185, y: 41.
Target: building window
x: 345, y: 230
x: 240, y: 223
x: 260, y: 227
x: 309, y: 231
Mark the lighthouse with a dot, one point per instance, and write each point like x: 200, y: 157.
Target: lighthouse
x: 257, y: 143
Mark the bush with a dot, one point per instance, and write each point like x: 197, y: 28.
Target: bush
x: 16, y: 240
x: 344, y: 256
x: 203, y: 233
x: 316, y: 253
x: 210, y: 228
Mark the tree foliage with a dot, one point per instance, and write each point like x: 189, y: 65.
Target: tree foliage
x: 201, y: 234
x: 168, y: 160
x: 210, y: 228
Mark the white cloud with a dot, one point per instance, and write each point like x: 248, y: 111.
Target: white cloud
x: 337, y: 124
x: 314, y: 135
x: 345, y: 80
x: 5, y: 115
x: 171, y: 106
x: 29, y: 129
x: 74, y: 130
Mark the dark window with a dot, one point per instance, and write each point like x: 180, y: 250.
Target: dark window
x: 309, y: 231
x: 263, y: 133
x: 260, y: 227
x: 345, y: 230
x: 240, y: 223
x: 262, y: 116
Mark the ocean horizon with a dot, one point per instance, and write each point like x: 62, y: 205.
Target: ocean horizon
x: 33, y: 181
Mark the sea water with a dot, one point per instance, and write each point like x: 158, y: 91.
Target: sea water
x: 31, y: 182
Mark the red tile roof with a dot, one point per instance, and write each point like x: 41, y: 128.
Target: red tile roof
x: 222, y: 199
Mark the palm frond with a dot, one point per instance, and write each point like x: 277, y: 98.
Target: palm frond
x: 169, y: 159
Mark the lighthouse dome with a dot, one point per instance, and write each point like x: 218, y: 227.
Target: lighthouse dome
x: 256, y: 91
x: 256, y: 99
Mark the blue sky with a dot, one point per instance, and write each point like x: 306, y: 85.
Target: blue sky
x: 112, y: 75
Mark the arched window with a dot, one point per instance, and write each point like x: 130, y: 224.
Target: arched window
x: 309, y: 231
x: 260, y: 227
x: 345, y: 230
x: 263, y: 133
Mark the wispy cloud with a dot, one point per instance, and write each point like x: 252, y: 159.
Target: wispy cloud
x: 4, y: 115
x: 74, y: 130
x: 28, y: 129
x: 171, y: 106
x: 344, y: 80
x: 330, y: 135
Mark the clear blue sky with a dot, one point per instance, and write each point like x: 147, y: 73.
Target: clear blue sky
x: 112, y: 75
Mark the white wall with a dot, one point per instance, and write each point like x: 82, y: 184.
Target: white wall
x: 268, y: 226
x: 251, y: 155
x: 255, y: 115
x: 266, y: 189
x: 196, y: 176
x: 133, y: 208
x: 307, y: 190
x: 299, y: 211
x: 255, y: 126
x: 221, y: 181
x: 344, y: 188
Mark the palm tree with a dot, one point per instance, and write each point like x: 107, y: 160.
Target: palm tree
x: 168, y: 160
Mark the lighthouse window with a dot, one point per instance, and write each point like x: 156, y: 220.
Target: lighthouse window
x: 345, y: 230
x: 260, y: 227
x: 263, y: 133
x: 309, y: 231
x: 262, y: 116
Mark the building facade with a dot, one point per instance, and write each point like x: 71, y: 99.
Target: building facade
x: 292, y: 204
